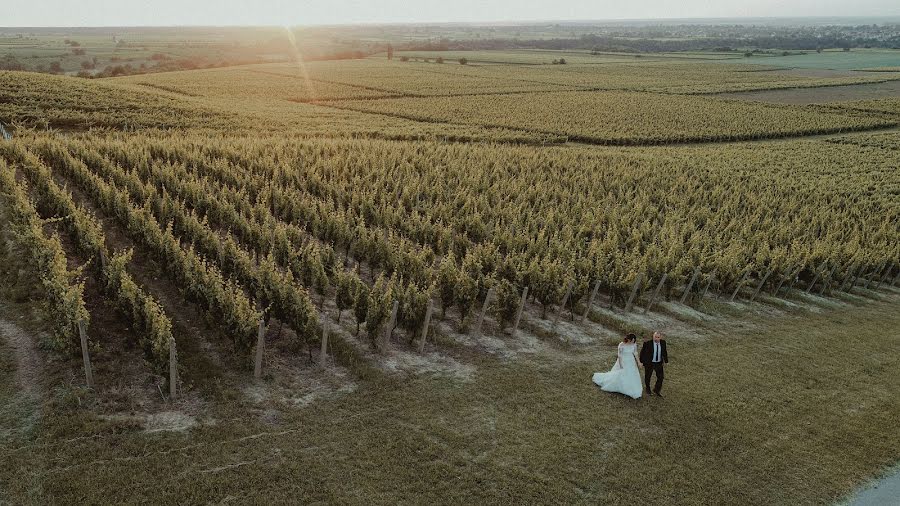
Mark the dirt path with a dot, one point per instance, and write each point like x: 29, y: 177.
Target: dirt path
x: 28, y: 361
x: 20, y: 385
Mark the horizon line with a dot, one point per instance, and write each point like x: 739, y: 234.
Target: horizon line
x: 524, y: 22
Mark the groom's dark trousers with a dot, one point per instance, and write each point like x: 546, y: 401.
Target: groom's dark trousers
x: 646, y: 358
x: 649, y: 369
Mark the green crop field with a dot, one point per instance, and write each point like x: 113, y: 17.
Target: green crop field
x: 362, y: 280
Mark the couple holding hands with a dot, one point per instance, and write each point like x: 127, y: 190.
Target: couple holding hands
x: 624, y: 377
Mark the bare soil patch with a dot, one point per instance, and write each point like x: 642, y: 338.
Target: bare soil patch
x: 29, y: 367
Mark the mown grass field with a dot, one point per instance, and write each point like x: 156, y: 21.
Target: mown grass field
x: 793, y: 409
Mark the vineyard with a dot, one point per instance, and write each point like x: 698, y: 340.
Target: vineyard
x: 420, y: 78
x: 273, y: 228
x: 346, y: 221
x: 624, y: 118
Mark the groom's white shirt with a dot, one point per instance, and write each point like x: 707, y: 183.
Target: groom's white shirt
x: 656, y: 348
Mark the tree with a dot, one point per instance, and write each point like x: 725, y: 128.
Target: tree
x: 463, y: 61
x: 347, y: 286
x: 446, y: 282
x: 506, y: 302
x: 390, y: 52
x: 55, y: 67
x: 548, y: 280
x: 413, y: 304
x: 439, y: 59
x: 380, y: 301
x: 361, y: 306
x: 465, y: 292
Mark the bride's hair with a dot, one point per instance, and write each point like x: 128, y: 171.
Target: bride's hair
x: 630, y: 338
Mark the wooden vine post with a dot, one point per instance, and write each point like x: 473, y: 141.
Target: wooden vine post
x: 562, y: 305
x: 887, y: 272
x: 870, y: 277
x: 323, y: 352
x: 85, y: 355
x: 896, y: 278
x: 634, y: 290
x: 761, y: 283
x: 173, y: 369
x: 793, y: 278
x: 847, y: 278
x: 816, y: 277
x: 659, y: 286
x: 708, y: 283
x: 519, y: 312
x: 484, y: 307
x: 426, y: 325
x: 739, y: 286
x: 590, y: 301
x: 260, y: 348
x: 784, y: 278
x: 687, y: 289
x: 386, y: 336
x: 826, y: 282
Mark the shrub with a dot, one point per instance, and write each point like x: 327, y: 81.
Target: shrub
x: 506, y: 302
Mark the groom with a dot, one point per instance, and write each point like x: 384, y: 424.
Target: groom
x: 653, y: 356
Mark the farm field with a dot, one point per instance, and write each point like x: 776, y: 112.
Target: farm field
x: 821, y: 95
x: 858, y: 59
x: 380, y: 281
x: 377, y: 78
x: 624, y: 118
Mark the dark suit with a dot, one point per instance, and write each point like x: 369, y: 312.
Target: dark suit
x: 650, y: 366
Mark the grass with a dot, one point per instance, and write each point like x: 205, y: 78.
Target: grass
x: 798, y: 410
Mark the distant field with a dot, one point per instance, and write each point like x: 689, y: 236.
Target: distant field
x: 378, y: 77
x: 672, y: 76
x: 622, y: 117
x: 272, y: 82
x: 821, y: 95
x: 529, y: 57
x: 885, y: 105
x: 42, y: 101
x: 857, y: 59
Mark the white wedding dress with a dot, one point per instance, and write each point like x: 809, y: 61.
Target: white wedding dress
x: 624, y: 377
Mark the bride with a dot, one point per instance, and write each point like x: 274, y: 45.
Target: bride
x: 624, y: 377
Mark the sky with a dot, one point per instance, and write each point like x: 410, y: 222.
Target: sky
x: 317, y: 12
